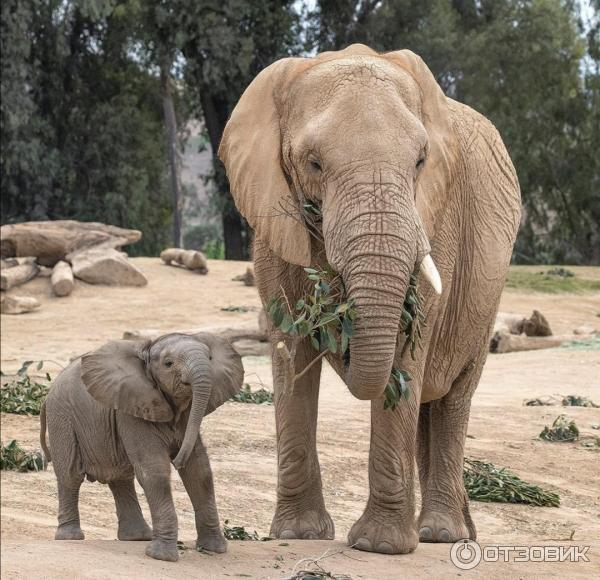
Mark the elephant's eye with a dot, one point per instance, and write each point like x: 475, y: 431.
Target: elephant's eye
x: 420, y: 163
x: 169, y: 364
x: 314, y: 165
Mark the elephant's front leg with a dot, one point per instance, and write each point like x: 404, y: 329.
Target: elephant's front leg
x: 300, y: 512
x: 387, y: 524
x: 198, y: 481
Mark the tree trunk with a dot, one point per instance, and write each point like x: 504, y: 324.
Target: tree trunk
x: 17, y: 275
x: 235, y: 230
x: 173, y: 150
x: 62, y: 279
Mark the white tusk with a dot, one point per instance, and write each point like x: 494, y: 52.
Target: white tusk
x: 430, y: 272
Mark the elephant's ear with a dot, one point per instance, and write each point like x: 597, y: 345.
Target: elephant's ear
x: 226, y: 369
x: 115, y: 375
x: 251, y: 152
x: 436, y: 118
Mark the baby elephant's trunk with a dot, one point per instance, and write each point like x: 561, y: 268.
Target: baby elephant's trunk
x: 198, y: 376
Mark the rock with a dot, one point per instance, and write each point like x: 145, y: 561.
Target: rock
x: 62, y: 279
x: 537, y: 325
x: 247, y: 278
x: 584, y: 330
x: 17, y: 275
x: 105, y: 266
x: 191, y: 259
x: 51, y: 241
x: 18, y: 304
x: 511, y: 323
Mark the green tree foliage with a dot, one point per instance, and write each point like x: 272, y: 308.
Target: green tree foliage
x: 532, y: 67
x: 81, y: 120
x: 226, y: 43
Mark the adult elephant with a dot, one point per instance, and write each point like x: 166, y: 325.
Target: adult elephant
x: 403, y: 176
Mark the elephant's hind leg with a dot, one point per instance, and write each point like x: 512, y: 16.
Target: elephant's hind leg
x: 443, y: 425
x: 300, y: 512
x: 69, y: 475
x: 132, y: 525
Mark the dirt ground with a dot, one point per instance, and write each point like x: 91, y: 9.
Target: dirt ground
x: 241, y: 444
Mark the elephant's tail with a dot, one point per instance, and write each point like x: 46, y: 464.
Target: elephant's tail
x: 45, y: 449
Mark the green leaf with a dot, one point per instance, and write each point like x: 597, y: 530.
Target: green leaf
x: 347, y: 326
x: 286, y: 323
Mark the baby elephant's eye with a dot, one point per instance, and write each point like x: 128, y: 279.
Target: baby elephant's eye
x: 169, y: 364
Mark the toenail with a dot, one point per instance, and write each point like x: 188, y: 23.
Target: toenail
x: 444, y: 536
x: 425, y: 534
x: 385, y: 548
x: 363, y: 544
x: 310, y: 536
x: 288, y: 535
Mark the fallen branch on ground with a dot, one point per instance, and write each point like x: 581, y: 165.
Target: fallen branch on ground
x: 488, y: 483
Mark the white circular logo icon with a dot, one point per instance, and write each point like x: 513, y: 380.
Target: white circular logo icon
x: 465, y: 554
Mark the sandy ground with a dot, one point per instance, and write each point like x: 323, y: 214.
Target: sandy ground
x: 241, y: 443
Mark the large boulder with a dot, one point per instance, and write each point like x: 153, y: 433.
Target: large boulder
x: 52, y: 241
x: 105, y: 266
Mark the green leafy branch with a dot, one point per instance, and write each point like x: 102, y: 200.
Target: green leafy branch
x: 486, y: 482
x: 323, y: 317
x: 24, y: 395
x: 13, y: 456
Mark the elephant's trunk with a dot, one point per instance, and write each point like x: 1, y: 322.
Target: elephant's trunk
x: 376, y: 249
x: 197, y: 374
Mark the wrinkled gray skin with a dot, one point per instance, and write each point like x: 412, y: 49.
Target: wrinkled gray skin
x: 399, y: 171
x: 130, y: 409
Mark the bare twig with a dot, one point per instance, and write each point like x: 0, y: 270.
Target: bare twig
x: 309, y: 365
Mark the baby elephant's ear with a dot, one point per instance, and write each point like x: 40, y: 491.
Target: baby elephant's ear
x: 226, y: 370
x: 115, y: 375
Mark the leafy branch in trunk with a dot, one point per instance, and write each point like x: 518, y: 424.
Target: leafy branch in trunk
x: 412, y: 320
x: 486, y: 482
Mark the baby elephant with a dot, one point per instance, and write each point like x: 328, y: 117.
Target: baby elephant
x: 132, y: 408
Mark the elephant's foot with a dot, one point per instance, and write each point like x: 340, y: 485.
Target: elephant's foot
x: 302, y: 518
x: 383, y: 531
x: 436, y: 526
x: 134, y: 531
x: 162, y: 550
x: 69, y: 531
x: 212, y: 541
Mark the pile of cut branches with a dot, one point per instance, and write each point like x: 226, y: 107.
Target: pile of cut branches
x: 258, y: 397
x: 486, y: 482
x: 562, y: 430
x: 24, y: 395
x: 13, y: 456
x: 240, y: 533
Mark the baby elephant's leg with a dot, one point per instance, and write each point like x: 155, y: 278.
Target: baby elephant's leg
x: 69, y: 475
x: 149, y: 456
x: 155, y: 478
x: 198, y: 481
x: 132, y: 525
